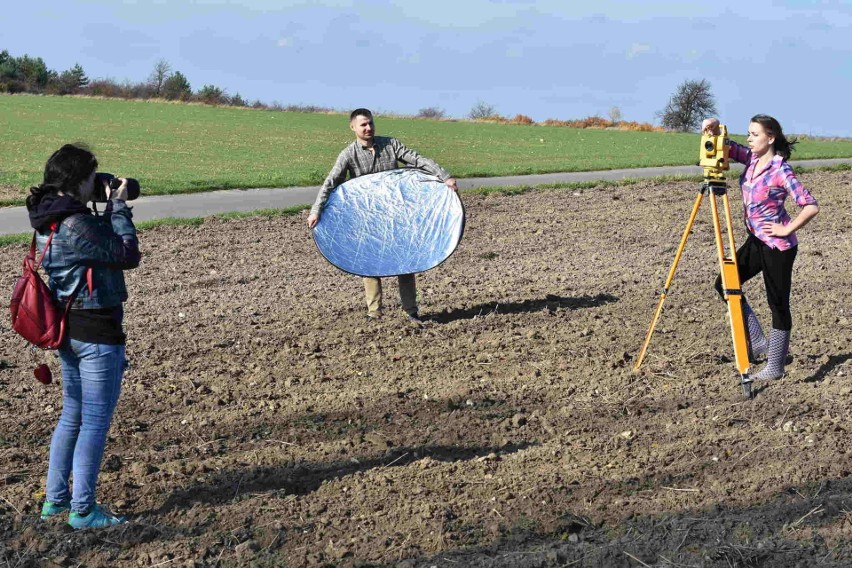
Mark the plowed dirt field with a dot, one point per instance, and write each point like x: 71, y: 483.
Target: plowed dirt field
x: 265, y: 422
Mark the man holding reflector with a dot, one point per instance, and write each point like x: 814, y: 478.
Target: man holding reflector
x: 386, y: 225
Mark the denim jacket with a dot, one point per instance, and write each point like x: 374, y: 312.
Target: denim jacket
x: 107, y: 244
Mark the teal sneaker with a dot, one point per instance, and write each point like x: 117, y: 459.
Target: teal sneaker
x: 49, y: 509
x: 97, y: 518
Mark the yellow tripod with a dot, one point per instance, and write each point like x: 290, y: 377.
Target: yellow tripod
x: 714, y: 159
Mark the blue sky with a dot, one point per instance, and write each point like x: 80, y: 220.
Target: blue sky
x: 544, y: 58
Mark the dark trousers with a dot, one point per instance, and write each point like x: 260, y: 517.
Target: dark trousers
x: 777, y: 267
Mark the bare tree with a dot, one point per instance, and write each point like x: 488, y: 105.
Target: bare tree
x: 615, y: 114
x: 482, y: 110
x: 431, y: 112
x: 691, y: 103
x: 162, y: 71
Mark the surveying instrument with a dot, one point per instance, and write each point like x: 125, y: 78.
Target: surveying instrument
x: 714, y: 159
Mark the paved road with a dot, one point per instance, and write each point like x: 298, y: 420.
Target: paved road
x: 14, y: 219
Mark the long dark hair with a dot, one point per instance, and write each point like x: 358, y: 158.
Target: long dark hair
x: 783, y: 145
x: 65, y: 170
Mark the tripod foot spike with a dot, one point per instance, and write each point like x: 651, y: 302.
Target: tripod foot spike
x: 745, y: 382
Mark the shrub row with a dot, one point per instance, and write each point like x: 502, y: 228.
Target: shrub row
x: 598, y: 122
x: 588, y: 122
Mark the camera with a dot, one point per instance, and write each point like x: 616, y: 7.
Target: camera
x: 102, y: 179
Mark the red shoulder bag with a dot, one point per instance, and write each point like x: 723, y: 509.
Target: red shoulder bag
x: 35, y: 315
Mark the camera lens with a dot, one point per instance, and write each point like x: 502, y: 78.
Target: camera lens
x: 132, y: 187
x: 709, y: 146
x: 102, y: 179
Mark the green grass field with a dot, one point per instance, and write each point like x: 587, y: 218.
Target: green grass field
x: 179, y: 148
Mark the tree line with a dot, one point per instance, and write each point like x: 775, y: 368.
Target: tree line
x: 691, y: 102
x: 26, y: 74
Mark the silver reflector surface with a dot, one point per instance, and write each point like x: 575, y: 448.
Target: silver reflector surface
x: 390, y: 223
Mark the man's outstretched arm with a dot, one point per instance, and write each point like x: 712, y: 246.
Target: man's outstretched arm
x: 410, y: 157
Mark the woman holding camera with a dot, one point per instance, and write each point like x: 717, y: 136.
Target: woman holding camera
x: 84, y: 264
x: 771, y: 245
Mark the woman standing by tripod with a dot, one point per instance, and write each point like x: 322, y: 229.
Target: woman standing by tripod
x: 772, y: 244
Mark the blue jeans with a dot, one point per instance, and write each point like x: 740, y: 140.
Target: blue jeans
x: 91, y: 383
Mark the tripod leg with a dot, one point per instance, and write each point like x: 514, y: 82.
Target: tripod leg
x: 669, y: 280
x: 733, y: 295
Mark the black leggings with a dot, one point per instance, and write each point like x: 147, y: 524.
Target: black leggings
x: 777, y: 267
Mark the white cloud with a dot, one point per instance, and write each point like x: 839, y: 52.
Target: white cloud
x: 637, y: 49
x: 285, y: 42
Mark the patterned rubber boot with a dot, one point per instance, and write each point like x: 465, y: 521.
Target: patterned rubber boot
x: 757, y: 340
x: 779, y: 341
